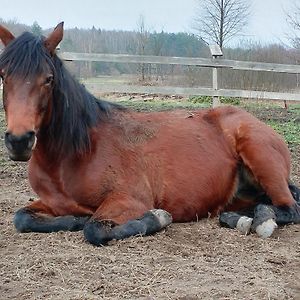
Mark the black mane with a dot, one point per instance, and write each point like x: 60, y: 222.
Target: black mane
x: 75, y: 110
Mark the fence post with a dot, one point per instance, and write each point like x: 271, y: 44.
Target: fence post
x: 216, y: 100
x: 216, y: 52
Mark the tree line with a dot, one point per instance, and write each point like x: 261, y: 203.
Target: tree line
x: 143, y: 42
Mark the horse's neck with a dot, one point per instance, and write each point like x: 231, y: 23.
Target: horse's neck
x: 44, y: 153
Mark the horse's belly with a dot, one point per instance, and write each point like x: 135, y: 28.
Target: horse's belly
x: 199, y: 186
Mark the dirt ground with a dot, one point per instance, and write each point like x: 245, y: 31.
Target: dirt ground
x: 186, y: 261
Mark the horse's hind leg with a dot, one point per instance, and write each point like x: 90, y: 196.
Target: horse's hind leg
x: 237, y: 220
x: 267, y: 157
x: 37, y: 218
x: 269, y: 163
x: 263, y: 218
x: 266, y: 217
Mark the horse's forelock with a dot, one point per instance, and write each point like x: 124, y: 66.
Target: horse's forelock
x: 25, y: 57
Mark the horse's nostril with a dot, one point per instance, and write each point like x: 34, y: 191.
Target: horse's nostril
x: 19, y: 142
x: 30, y: 138
x: 8, y: 136
x: 30, y: 134
x: 8, y: 140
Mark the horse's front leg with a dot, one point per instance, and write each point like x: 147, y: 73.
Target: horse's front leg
x: 99, y: 232
x: 37, y: 217
x: 122, y: 219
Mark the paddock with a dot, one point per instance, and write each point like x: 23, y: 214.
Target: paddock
x: 198, y: 260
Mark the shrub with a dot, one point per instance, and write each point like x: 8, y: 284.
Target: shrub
x: 208, y: 99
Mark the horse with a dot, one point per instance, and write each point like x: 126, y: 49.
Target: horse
x: 114, y: 173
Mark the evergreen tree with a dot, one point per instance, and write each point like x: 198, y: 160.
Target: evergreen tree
x: 36, y: 29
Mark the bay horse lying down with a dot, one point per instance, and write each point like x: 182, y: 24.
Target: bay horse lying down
x: 115, y: 173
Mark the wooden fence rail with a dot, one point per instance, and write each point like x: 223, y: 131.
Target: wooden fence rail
x: 189, y: 61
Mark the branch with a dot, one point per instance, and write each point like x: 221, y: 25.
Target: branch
x: 219, y: 20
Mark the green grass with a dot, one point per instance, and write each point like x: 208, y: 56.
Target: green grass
x: 295, y: 108
x: 208, y: 100
x: 289, y: 130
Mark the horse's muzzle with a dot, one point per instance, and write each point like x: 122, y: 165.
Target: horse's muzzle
x: 20, y: 146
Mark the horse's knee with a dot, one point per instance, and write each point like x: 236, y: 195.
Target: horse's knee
x: 97, y: 233
x: 23, y: 220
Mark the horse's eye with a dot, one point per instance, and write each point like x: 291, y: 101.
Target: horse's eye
x: 49, y: 80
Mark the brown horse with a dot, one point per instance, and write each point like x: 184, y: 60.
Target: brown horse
x: 115, y: 173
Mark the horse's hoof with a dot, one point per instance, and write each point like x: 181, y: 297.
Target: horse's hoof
x: 266, y: 229
x: 244, y: 224
x: 164, y: 218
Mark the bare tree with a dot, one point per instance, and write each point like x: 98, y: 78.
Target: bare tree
x: 293, y: 19
x: 142, y: 39
x: 220, y: 20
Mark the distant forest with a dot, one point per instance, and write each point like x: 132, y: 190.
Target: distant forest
x: 170, y: 44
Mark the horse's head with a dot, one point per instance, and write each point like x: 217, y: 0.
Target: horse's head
x: 28, y: 75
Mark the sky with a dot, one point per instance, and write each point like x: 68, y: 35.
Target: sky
x: 267, y: 22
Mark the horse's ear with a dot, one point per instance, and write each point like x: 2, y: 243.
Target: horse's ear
x: 54, y: 38
x: 5, y: 36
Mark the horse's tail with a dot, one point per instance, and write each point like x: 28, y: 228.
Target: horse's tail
x: 295, y: 191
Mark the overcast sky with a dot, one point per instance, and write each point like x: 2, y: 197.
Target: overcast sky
x: 266, y: 24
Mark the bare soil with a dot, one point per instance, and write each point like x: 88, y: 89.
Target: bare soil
x: 197, y: 260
